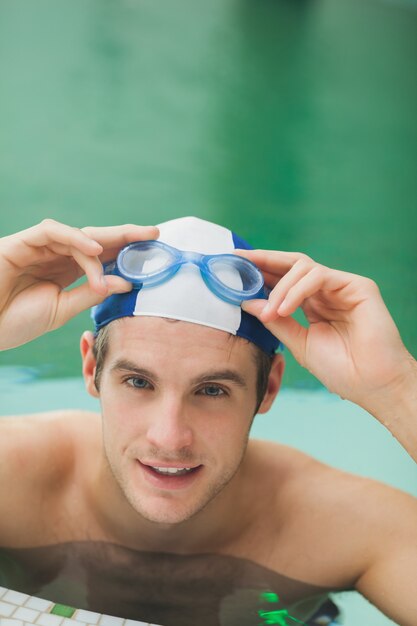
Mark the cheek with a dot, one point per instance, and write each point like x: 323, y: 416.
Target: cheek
x: 121, y: 425
x: 225, y: 435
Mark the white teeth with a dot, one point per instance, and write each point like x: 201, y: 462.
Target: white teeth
x: 172, y: 470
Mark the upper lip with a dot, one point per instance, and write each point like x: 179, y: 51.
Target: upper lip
x: 169, y: 465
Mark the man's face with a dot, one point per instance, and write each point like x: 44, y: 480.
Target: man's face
x: 175, y: 395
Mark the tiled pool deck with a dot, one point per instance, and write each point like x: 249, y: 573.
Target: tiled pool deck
x: 19, y: 609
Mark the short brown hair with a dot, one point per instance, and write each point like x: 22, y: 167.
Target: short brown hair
x: 263, y: 362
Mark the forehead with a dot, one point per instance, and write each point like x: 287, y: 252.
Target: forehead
x: 163, y: 339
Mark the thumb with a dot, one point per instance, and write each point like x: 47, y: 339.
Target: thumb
x: 286, y: 329
x: 72, y: 302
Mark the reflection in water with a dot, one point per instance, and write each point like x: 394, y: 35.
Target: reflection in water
x: 170, y: 589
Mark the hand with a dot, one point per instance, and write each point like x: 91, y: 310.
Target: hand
x: 37, y: 264
x: 351, y: 344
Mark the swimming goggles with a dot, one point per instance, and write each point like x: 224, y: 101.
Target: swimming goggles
x: 150, y: 263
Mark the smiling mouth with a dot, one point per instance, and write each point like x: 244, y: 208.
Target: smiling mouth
x: 172, y: 472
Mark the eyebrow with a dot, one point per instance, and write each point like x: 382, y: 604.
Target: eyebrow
x: 224, y: 374
x: 123, y: 365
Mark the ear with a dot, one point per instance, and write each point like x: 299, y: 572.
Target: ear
x: 274, y: 383
x: 89, y: 362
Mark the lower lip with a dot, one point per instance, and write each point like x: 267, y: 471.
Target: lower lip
x: 170, y: 483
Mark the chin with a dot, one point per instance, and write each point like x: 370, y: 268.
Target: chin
x: 173, y: 507
x: 166, y: 513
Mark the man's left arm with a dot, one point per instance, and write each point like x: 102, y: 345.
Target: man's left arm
x: 353, y: 347
x: 389, y: 579
x: 397, y: 410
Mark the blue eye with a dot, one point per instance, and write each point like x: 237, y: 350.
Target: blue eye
x: 213, y: 391
x: 137, y: 383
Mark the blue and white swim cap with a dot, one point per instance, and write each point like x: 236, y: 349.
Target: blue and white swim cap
x: 185, y: 296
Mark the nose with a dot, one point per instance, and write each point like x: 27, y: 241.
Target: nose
x: 169, y: 430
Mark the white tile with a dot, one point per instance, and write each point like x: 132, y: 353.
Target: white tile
x: 87, y: 617
x: 72, y: 622
x: 47, y: 619
x: 15, y: 597
x: 108, y: 620
x: 132, y: 622
x: 28, y: 615
x: 2, y: 591
x: 39, y: 604
x: 6, y: 609
x: 5, y: 621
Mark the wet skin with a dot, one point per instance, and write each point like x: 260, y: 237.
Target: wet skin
x: 257, y: 514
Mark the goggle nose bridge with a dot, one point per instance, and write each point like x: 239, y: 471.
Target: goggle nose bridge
x: 193, y: 258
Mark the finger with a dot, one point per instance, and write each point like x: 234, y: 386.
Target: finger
x: 93, y: 269
x: 272, y: 261
x: 319, y: 278
x: 73, y: 302
x: 278, y: 294
x: 254, y: 307
x: 112, y: 238
x: 286, y: 329
x: 49, y: 231
x: 271, y: 279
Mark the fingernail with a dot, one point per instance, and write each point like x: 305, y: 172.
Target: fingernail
x: 247, y: 304
x: 120, y: 288
x: 282, y: 306
x: 96, y: 244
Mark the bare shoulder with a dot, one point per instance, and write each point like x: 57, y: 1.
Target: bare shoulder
x: 320, y: 486
x: 38, y: 454
x: 332, y: 512
x: 277, y: 460
x: 305, y: 481
x: 41, y: 442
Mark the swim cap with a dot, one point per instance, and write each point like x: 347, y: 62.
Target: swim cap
x: 185, y: 296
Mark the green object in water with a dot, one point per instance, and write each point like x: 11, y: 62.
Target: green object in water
x: 277, y: 617
x: 64, y: 611
x: 269, y: 596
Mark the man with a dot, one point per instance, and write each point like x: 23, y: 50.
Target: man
x: 160, y: 509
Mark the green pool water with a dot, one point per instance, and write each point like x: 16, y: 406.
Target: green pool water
x: 291, y: 122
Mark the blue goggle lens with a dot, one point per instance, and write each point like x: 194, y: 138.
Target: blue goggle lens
x: 141, y: 261
x: 233, y: 272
